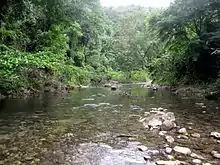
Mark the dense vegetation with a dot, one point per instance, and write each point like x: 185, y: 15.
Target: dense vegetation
x: 53, y: 42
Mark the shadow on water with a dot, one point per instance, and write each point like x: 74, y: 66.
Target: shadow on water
x: 31, y: 129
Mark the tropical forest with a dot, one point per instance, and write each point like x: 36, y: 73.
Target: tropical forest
x: 82, y: 83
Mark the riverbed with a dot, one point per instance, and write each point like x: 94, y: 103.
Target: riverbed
x: 61, y: 128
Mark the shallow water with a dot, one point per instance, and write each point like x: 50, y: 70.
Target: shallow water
x: 44, y: 130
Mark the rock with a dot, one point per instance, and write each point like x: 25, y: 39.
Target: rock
x: 193, y: 155
x: 142, y: 148
x: 91, y: 105
x: 206, y: 164
x: 161, y: 109
x: 169, y: 139
x: 215, y: 135
x: 213, y: 95
x: 107, y: 85
x: 168, y: 116
x: 196, y: 161
x: 196, y: 135
x: 154, y: 123
x: 114, y: 87
x: 182, y: 137
x: 183, y: 131
x: 168, y: 150
x: 4, y: 138
x: 200, y: 104
x: 170, y: 157
x: 215, y: 154
x: 204, y: 107
x: 162, y: 162
x: 29, y: 158
x: 182, y: 150
x: 167, y: 125
x: 162, y: 133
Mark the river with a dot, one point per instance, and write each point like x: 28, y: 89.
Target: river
x: 48, y: 129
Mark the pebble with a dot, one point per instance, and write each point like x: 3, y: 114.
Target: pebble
x: 193, y: 155
x: 28, y: 158
x: 182, y: 137
x: 215, y: 154
x: 200, y: 104
x: 215, y: 135
x: 169, y: 150
x: 182, y: 131
x: 162, y: 133
x: 182, y: 150
x: 196, y: 135
x: 197, y: 161
x: 170, y: 157
x: 169, y: 139
x: 162, y: 162
x: 142, y: 148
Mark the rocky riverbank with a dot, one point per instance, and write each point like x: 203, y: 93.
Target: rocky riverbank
x: 177, y: 140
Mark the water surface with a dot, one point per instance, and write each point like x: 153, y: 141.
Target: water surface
x: 38, y: 130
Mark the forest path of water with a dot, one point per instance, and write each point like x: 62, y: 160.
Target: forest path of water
x: 97, y: 126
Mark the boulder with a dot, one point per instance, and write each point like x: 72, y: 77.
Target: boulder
x: 182, y: 150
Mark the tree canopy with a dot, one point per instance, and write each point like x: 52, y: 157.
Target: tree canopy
x: 81, y: 42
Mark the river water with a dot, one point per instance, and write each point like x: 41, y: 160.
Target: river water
x: 46, y: 129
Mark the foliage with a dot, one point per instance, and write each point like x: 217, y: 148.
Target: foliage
x: 188, y: 33
x: 78, y: 42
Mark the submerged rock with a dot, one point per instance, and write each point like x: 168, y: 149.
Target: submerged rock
x: 103, y: 154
